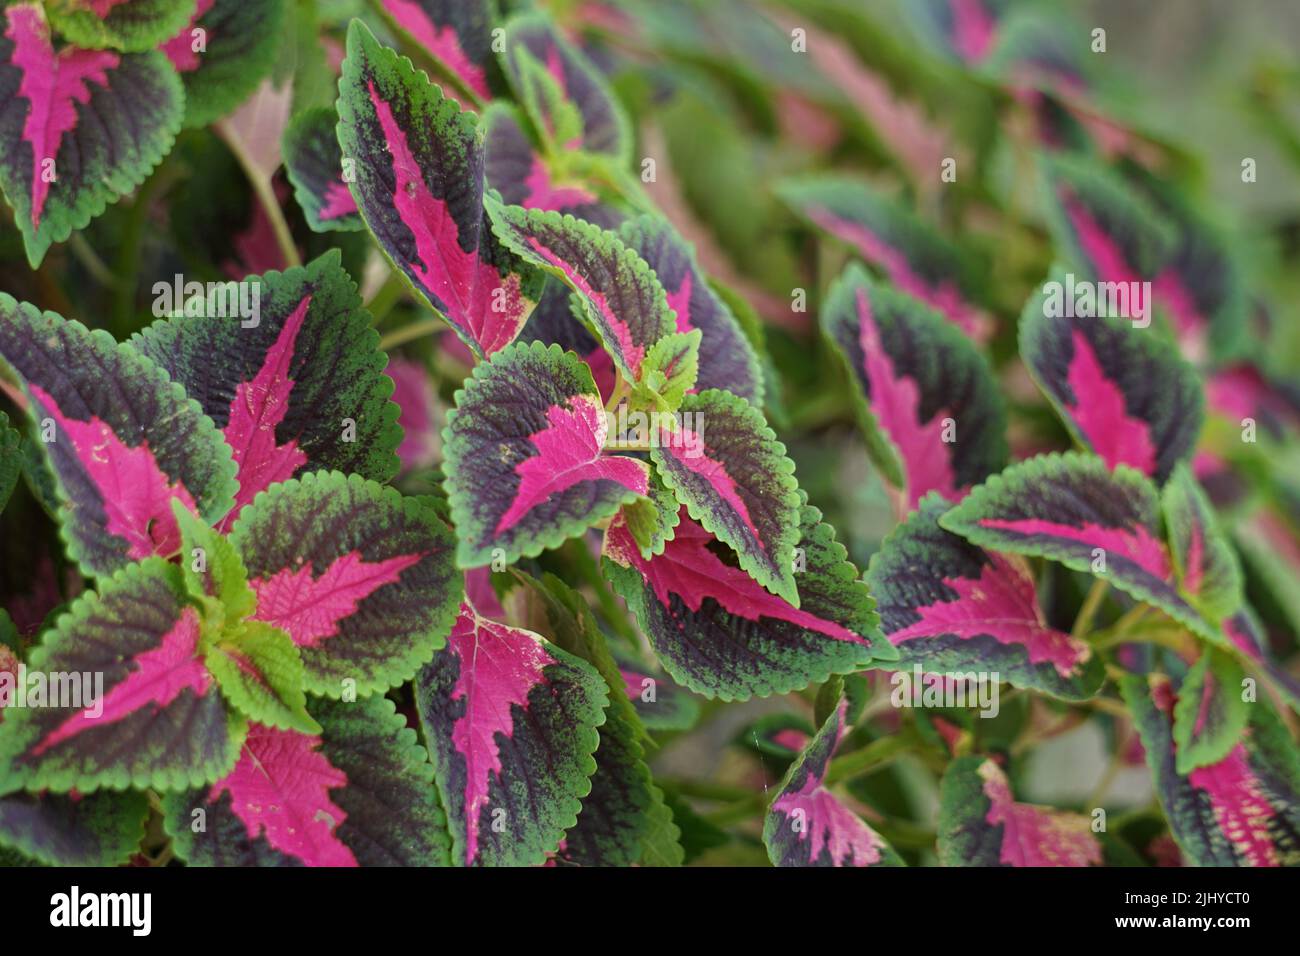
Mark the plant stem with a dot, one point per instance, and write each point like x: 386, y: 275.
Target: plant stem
x: 1096, y: 594
x: 870, y: 757
x: 706, y: 790
x: 91, y: 261
x: 410, y: 332
x: 614, y: 615
x: 385, y: 297
x: 265, y: 194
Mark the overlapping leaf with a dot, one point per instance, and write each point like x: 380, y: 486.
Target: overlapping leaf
x: 623, y: 301
x: 981, y: 824
x: 930, y: 405
x: 727, y: 359
x: 1123, y: 391
x: 911, y: 254
x: 1211, y: 711
x: 81, y: 128
x: 130, y: 25
x: 1104, y: 228
x: 456, y: 33
x: 11, y: 459
x: 1242, y: 810
x: 225, y: 50
x: 510, y: 721
x: 624, y: 819
x: 160, y: 721
x: 659, y: 702
x: 1202, y: 287
x: 523, y: 178
x: 314, y: 163
x: 361, y: 579
x: 302, y: 389
x: 726, y: 466
x: 98, y: 829
x: 565, y: 96
x: 954, y: 608
x: 1075, y: 510
x: 122, y: 439
x: 808, y: 825
x: 718, y: 632
x: 524, y: 459
x: 359, y: 794
x: 419, y: 187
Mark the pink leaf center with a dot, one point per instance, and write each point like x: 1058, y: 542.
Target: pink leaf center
x: 258, y: 407
x: 499, y: 667
x: 52, y: 84
x: 280, y: 788
x: 1001, y: 603
x: 309, y: 608
x: 159, y: 677
x: 135, y: 492
x: 1101, y: 414
x: 569, y: 452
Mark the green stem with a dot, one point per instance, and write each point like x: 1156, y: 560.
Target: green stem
x: 410, y: 332
x: 706, y: 790
x: 614, y: 615
x: 739, y: 811
x: 91, y: 261
x: 265, y: 194
x: 872, y: 756
x: 387, y: 296
x: 1088, y: 612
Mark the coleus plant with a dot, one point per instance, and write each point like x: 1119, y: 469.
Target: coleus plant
x: 427, y: 572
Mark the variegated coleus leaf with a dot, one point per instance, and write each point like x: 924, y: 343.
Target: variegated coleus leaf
x: 1211, y: 712
x: 456, y: 33
x: 727, y: 359
x: 726, y: 466
x: 419, y: 185
x: 303, y: 389
x: 624, y: 819
x: 130, y: 25
x: 359, y: 793
x: 1243, y: 810
x: 122, y: 440
x: 808, y: 825
x: 81, y: 128
x: 103, y: 828
x: 1122, y: 389
x: 314, y: 163
x: 158, y: 720
x: 510, y: 721
x: 1202, y: 288
x: 910, y: 253
x: 1106, y: 230
x: 223, y: 52
x: 1073, y: 509
x: 362, y: 579
x: 928, y: 401
x: 659, y: 702
x: 553, y: 322
x: 966, y: 30
x: 718, y: 632
x: 523, y: 178
x: 525, y: 462
x: 563, y: 93
x: 981, y: 824
x: 622, y: 299
x: 954, y: 608
x: 1244, y: 631
x: 11, y: 459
